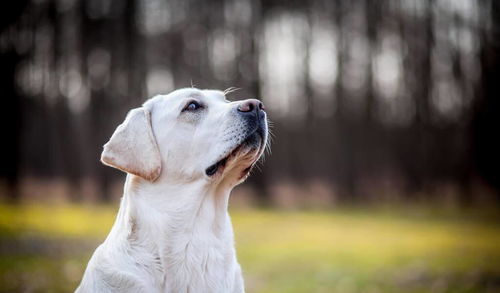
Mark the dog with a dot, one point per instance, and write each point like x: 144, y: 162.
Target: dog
x: 183, y: 153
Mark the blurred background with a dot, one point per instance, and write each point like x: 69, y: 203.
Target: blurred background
x: 384, y: 174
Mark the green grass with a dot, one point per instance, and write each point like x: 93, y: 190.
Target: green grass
x: 45, y: 249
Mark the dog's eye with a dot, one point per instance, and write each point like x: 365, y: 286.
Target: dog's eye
x: 192, y: 106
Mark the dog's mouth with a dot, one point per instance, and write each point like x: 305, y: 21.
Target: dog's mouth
x: 252, y: 144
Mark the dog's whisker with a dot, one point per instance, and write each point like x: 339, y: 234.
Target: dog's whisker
x: 268, y: 150
x: 231, y: 90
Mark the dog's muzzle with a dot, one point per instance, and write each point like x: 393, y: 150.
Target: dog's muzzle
x: 252, y: 112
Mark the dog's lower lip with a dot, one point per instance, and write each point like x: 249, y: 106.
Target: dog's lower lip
x: 213, y: 169
x: 210, y: 171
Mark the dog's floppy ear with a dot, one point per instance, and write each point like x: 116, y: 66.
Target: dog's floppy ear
x: 132, y: 148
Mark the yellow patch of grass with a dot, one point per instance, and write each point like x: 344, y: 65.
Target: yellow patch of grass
x: 322, y: 250
x: 57, y: 220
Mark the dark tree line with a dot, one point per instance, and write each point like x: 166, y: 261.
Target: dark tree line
x: 363, y: 94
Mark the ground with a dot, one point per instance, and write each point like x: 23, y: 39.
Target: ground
x: 44, y: 248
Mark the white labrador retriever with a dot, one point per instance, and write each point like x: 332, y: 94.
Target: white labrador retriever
x: 183, y: 152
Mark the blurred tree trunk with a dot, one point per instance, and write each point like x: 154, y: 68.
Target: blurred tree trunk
x: 367, y: 159
x: 487, y: 108
x: 11, y: 113
x: 343, y: 133
x: 372, y: 17
x: 61, y: 118
x: 259, y: 179
x: 418, y: 33
x: 10, y: 123
x: 422, y: 99
x: 94, y: 36
x: 311, y: 140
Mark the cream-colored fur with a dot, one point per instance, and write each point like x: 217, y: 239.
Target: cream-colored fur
x: 173, y: 232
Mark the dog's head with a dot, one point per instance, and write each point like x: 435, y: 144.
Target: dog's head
x: 190, y: 135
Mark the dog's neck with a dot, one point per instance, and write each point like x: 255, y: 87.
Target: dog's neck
x: 156, y: 215
x: 171, y: 228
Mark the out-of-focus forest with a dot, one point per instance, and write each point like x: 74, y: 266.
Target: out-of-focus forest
x: 384, y: 174
x: 370, y: 100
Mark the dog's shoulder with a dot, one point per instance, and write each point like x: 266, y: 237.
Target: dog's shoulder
x: 106, y: 273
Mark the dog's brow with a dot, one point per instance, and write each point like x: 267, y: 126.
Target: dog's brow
x: 196, y: 96
x: 219, y: 96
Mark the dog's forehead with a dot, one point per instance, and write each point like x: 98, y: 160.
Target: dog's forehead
x: 207, y: 96
x: 215, y: 95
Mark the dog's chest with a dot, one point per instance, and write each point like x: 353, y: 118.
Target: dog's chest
x: 198, y: 263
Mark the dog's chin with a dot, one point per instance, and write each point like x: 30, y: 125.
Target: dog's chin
x: 241, y: 158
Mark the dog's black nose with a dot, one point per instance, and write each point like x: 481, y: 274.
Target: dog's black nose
x: 250, y: 105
